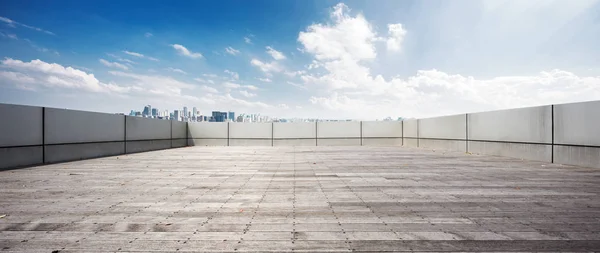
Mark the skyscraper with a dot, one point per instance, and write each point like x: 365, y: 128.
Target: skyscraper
x: 219, y: 116
x: 185, y: 113
x: 176, y: 115
x: 147, y: 110
x: 194, y: 111
x: 231, y: 116
x: 154, y: 112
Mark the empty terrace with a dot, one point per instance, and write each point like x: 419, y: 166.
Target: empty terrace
x: 300, y: 199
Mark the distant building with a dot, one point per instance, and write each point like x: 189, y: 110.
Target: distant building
x: 219, y: 116
x: 154, y: 112
x: 185, y: 113
x: 231, y: 116
x: 147, y: 110
x: 176, y: 115
x: 194, y: 111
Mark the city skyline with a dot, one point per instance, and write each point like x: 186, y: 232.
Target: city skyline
x: 321, y: 59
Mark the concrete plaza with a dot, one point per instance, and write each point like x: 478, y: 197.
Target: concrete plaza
x: 301, y: 199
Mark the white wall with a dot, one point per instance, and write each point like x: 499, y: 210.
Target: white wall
x: 532, y: 125
x: 294, y: 130
x: 238, y: 130
x: 338, y: 129
x: 382, y: 129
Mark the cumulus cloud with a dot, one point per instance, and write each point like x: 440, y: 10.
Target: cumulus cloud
x: 396, y: 36
x: 275, y: 54
x: 247, y: 94
x: 343, y: 49
x: 265, y: 67
x: 40, y: 74
x: 113, y: 64
x: 185, y: 52
x: 347, y: 38
x: 232, y: 51
x: 13, y: 23
x: 247, y: 40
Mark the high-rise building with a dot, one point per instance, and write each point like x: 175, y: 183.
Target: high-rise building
x: 219, y: 116
x: 176, y: 115
x: 147, y: 111
x: 231, y: 116
x: 185, y: 113
x: 194, y: 111
x: 154, y: 112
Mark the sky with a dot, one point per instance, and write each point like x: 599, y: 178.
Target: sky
x: 300, y: 59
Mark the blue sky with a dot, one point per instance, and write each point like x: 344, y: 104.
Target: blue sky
x: 327, y: 59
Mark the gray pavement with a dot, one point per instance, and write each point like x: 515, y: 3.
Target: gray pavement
x: 301, y: 199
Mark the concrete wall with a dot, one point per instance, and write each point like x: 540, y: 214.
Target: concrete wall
x: 448, y: 132
x: 21, y: 135
x: 342, y: 133
x: 74, y: 135
x: 410, y: 133
x: 381, y: 133
x: 145, y: 134
x: 294, y: 134
x: 208, y: 134
x: 524, y: 133
x: 36, y: 135
x: 178, y: 134
x: 577, y: 134
x: 566, y: 133
x: 338, y: 133
x: 250, y: 134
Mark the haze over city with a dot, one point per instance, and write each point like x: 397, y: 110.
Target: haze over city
x: 304, y: 59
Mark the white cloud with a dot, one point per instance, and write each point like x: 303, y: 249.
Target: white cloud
x: 121, y: 59
x: 177, y: 70
x: 299, y: 86
x: 208, y: 89
x: 37, y: 73
x: 283, y: 106
x: 234, y: 75
x: 346, y: 86
x: 247, y: 40
x: 266, y: 80
x: 185, y: 52
x: 266, y: 67
x: 232, y: 51
x: 275, y: 54
x: 348, y: 38
x: 13, y: 23
x: 396, y: 35
x: 148, y: 35
x: 210, y: 75
x: 250, y: 87
x: 41, y: 49
x: 139, y: 55
x: 247, y: 94
x: 231, y: 85
x: 113, y: 64
x: 9, y: 35
x: 295, y: 73
x: 134, y: 54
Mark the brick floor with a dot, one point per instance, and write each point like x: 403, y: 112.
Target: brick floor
x: 301, y: 199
